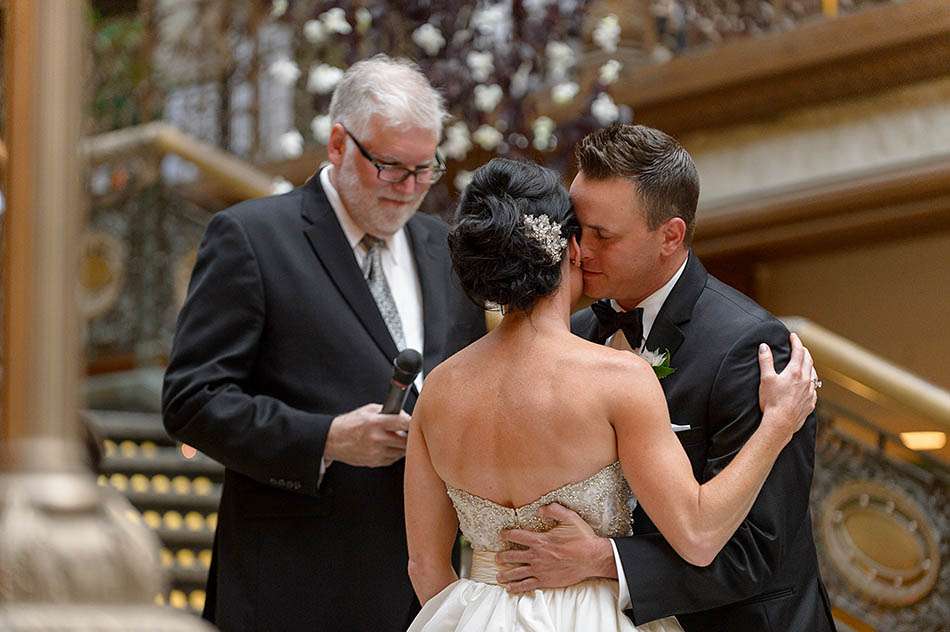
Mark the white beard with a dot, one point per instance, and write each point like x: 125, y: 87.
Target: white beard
x: 364, y: 207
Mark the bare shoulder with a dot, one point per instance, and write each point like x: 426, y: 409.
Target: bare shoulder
x: 438, y: 380
x: 455, y: 367
x: 441, y: 382
x: 625, y: 380
x: 620, y: 368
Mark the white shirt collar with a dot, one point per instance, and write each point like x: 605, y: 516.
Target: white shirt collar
x: 651, y: 305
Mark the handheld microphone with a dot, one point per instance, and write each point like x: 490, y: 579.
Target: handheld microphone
x: 406, y: 367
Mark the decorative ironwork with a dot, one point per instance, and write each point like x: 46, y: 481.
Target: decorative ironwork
x: 882, y: 528
x: 882, y: 541
x: 140, y: 290
x: 102, y: 273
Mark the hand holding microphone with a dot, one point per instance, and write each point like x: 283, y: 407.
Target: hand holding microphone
x: 374, y: 435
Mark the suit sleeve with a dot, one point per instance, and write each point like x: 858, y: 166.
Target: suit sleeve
x: 208, y: 397
x: 663, y: 584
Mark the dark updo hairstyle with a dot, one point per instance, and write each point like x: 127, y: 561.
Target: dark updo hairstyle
x: 494, y: 257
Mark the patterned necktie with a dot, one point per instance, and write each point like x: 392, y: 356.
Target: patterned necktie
x: 379, y: 288
x: 610, y: 320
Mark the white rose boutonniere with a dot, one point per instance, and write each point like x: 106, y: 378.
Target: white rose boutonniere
x: 659, y: 361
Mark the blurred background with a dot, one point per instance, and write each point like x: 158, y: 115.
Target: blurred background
x: 821, y: 130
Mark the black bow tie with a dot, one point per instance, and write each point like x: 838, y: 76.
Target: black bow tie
x: 610, y: 320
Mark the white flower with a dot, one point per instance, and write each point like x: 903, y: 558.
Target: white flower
x: 559, y: 53
x: 536, y: 7
x: 364, y: 20
x: 607, y: 33
x: 487, y: 137
x: 481, y: 64
x: 604, y: 109
x: 101, y: 181
x: 520, y: 81
x: 284, y: 71
x: 462, y: 179
x: 429, y: 39
x: 564, y: 92
x: 281, y: 185
x: 542, y: 128
x: 461, y: 37
x: 661, y: 54
x: 655, y: 358
x: 491, y: 20
x: 291, y: 144
x: 323, y: 78
x: 314, y: 31
x: 320, y: 128
x: 610, y: 71
x: 334, y: 21
x: 279, y: 8
x: 560, y: 59
x: 487, y: 97
x: 457, y: 141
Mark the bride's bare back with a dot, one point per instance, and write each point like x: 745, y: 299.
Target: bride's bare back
x: 520, y: 413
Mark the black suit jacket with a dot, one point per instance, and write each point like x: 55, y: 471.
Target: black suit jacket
x: 278, y: 335
x: 766, y: 577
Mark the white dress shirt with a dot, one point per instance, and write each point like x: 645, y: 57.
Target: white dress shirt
x: 651, y: 307
x: 399, y: 267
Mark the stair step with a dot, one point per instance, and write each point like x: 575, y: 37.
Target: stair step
x: 161, y: 492
x: 184, y: 600
x: 188, y: 578
x: 154, y: 460
x: 183, y: 538
x: 121, y: 424
x: 170, y: 502
x: 177, y: 498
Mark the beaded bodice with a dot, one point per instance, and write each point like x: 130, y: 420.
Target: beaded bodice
x: 602, y: 500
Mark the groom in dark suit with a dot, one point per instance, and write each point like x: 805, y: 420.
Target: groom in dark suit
x: 635, y: 196
x: 298, y: 305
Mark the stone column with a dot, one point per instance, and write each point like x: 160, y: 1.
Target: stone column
x: 72, y: 555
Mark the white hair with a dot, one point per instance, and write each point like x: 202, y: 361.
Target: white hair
x: 394, y: 89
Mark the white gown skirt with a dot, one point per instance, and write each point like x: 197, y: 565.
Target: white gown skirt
x: 469, y: 606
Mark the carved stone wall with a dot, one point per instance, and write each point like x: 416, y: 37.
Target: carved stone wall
x: 809, y: 145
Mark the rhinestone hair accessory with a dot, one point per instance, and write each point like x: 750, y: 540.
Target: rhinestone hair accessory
x: 546, y: 234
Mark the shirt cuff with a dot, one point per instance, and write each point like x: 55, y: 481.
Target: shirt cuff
x: 623, y: 592
x: 323, y: 470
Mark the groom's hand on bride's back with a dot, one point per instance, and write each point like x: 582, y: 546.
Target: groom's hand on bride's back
x: 567, y: 554
x: 365, y: 437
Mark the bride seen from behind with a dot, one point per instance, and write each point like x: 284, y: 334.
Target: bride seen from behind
x: 531, y: 414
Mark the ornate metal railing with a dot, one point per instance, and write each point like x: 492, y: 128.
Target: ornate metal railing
x: 881, y: 525
x: 880, y: 511
x: 879, y: 377
x: 142, y: 236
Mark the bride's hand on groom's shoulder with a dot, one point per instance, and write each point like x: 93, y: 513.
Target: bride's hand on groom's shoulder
x: 788, y: 397
x: 567, y: 554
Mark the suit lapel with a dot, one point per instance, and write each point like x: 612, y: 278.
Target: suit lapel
x: 434, y: 279
x: 332, y: 249
x: 666, y: 333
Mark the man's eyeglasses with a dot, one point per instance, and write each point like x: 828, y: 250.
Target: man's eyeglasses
x: 394, y: 174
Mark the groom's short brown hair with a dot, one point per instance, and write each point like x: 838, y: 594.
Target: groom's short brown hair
x: 662, y: 171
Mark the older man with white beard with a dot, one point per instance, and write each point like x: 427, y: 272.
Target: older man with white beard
x: 297, y: 306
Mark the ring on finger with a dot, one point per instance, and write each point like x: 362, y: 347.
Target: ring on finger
x: 816, y: 382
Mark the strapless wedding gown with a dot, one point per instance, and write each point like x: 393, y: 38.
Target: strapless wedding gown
x: 479, y: 604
